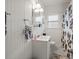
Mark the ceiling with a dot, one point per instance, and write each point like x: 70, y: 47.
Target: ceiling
x: 54, y: 4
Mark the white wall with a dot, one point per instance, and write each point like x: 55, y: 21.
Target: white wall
x: 55, y: 8
x: 17, y: 47
x: 55, y: 34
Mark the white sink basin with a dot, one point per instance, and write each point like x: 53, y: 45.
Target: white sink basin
x: 43, y: 38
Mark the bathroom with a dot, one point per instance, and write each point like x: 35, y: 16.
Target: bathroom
x: 38, y: 29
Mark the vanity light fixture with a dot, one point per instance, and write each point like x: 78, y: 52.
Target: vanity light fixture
x: 41, y: 10
x: 34, y: 6
x: 37, y: 8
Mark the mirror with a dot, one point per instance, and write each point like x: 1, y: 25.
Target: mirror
x: 38, y: 18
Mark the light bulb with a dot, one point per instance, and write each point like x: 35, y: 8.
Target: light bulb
x: 34, y: 6
x: 41, y: 10
x: 36, y: 10
x: 38, y: 5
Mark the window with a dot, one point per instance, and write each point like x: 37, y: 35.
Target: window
x: 53, y: 18
x: 53, y: 21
